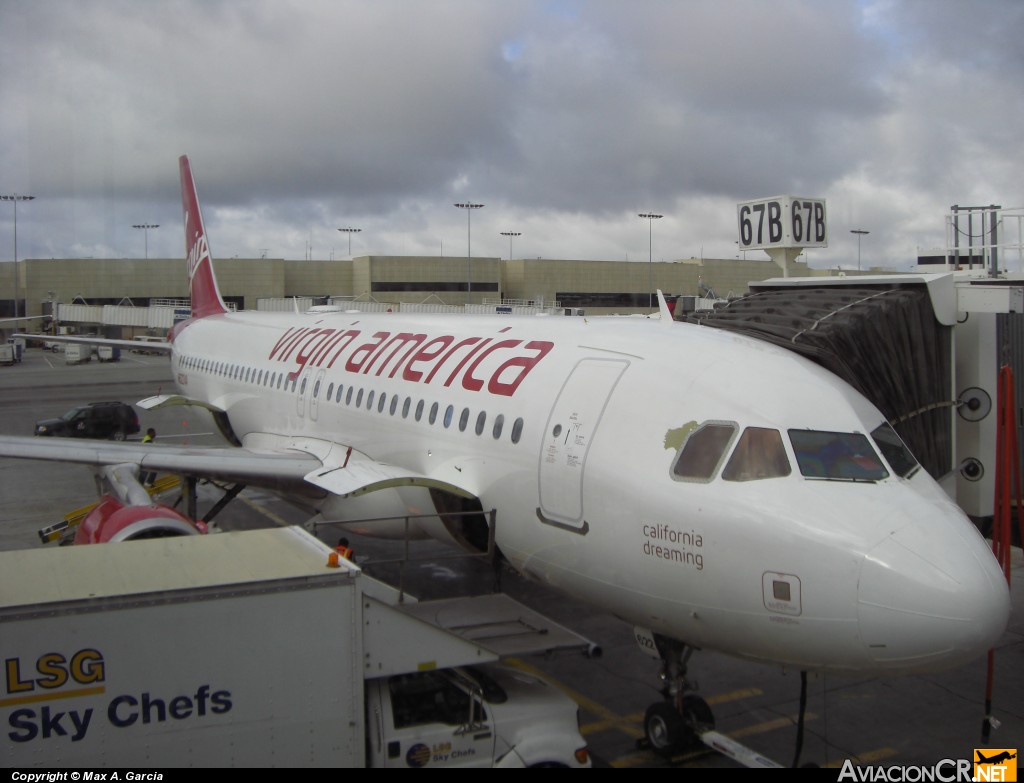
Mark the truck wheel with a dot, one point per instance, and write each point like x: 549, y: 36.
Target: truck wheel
x: 664, y: 729
x: 118, y: 435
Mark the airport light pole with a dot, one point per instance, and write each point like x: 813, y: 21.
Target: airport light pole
x: 15, y: 198
x: 350, y: 232
x: 145, y: 230
x: 859, y: 232
x: 469, y: 207
x: 511, y: 234
x: 651, y: 217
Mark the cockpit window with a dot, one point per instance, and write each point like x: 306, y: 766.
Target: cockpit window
x: 837, y: 456
x: 703, y: 451
x: 895, y: 451
x: 759, y: 454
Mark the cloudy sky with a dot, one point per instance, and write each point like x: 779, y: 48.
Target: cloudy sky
x: 565, y: 118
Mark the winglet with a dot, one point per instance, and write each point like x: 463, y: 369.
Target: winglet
x: 206, y: 298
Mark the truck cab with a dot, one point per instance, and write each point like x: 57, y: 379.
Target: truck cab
x: 472, y: 716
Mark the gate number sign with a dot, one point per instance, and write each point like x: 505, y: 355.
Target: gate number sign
x: 782, y: 221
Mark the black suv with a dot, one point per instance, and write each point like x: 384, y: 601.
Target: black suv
x: 113, y: 420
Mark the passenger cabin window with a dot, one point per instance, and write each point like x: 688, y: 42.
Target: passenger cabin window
x: 895, y: 451
x: 703, y: 452
x: 759, y: 454
x: 836, y: 456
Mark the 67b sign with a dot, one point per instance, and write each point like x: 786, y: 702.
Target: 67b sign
x: 782, y: 221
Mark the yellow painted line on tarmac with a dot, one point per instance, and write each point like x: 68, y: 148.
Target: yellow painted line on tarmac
x: 277, y: 520
x: 632, y: 725
x: 744, y: 693
x: 607, y: 718
x: 862, y: 758
x: 644, y: 757
x: 771, y: 725
x: 720, y: 698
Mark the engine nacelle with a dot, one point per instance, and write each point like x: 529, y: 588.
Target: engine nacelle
x: 456, y: 521
x: 110, y: 520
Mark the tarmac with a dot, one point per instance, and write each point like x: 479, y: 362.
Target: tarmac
x: 917, y: 720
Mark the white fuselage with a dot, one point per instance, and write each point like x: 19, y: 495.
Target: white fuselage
x: 571, y: 429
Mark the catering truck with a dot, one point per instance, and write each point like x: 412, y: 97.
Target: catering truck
x: 263, y: 648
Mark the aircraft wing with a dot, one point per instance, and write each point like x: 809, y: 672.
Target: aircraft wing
x: 155, y: 347
x: 227, y: 464
x: 279, y: 468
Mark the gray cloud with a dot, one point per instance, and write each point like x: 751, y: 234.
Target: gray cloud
x: 565, y: 118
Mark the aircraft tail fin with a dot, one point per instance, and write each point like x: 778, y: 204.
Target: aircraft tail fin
x: 206, y: 298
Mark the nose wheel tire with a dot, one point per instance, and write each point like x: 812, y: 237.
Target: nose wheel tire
x: 668, y: 732
x: 664, y: 728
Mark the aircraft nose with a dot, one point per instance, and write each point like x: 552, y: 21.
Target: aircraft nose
x: 931, y: 595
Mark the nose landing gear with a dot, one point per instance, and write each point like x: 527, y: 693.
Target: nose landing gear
x: 683, y: 722
x: 675, y: 724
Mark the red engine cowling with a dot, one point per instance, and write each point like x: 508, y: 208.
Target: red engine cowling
x: 110, y: 520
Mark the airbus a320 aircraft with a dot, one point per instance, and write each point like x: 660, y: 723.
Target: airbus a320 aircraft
x: 713, y: 490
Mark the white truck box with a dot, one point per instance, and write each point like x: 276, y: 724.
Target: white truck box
x: 77, y: 353
x: 247, y: 649
x: 108, y: 353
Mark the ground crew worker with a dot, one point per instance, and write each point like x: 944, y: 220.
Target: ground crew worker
x: 343, y: 548
x: 149, y: 477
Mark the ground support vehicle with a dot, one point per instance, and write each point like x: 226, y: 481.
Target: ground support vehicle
x: 114, y: 420
x: 77, y: 353
x: 261, y: 648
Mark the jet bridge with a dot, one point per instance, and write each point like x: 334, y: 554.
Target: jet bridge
x: 924, y: 348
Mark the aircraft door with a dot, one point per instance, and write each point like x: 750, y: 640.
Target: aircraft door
x: 314, y: 394
x: 570, y: 430
x: 301, y: 384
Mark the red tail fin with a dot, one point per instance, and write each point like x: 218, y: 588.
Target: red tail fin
x: 206, y: 298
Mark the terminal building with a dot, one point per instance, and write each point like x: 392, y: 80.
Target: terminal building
x: 591, y: 287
